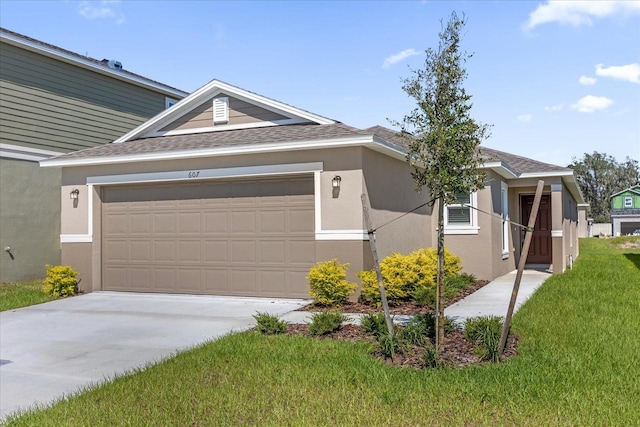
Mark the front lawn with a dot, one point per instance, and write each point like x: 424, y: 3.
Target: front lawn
x: 22, y: 294
x: 578, y: 365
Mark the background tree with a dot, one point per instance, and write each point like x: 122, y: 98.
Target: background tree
x: 599, y: 176
x: 443, y: 139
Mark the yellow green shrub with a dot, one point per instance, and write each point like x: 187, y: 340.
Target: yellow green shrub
x: 61, y: 281
x: 328, y: 283
x: 403, y: 274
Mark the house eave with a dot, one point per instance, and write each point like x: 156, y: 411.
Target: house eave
x: 362, y: 141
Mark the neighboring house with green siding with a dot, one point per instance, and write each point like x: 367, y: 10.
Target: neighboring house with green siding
x: 625, y: 211
x: 54, y: 101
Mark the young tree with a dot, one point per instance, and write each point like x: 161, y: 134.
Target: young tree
x: 443, y: 138
x: 599, y: 176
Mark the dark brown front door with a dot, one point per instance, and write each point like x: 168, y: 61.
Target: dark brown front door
x: 540, y: 248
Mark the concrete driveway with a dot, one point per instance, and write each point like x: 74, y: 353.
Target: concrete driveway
x: 52, y: 349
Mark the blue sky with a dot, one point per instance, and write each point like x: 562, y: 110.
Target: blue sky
x: 555, y: 79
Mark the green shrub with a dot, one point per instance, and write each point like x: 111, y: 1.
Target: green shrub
x: 404, y: 274
x: 326, y: 322
x: 374, y: 323
x: 420, y: 329
x: 485, y: 332
x: 425, y: 297
x: 328, y: 284
x: 61, y: 281
x: 268, y: 324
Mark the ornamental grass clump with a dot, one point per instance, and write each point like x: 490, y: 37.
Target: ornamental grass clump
x: 61, y: 281
x: 403, y: 275
x: 326, y: 322
x: 268, y: 324
x: 485, y: 332
x: 328, y: 283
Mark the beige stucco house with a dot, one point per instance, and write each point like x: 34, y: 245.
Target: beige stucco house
x: 232, y: 193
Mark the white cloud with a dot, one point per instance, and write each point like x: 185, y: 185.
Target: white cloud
x: 395, y: 58
x: 629, y: 72
x: 580, y: 12
x: 587, y: 81
x: 525, y: 118
x: 556, y: 107
x: 100, y: 10
x: 590, y: 103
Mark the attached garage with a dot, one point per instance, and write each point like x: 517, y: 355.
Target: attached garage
x: 243, y: 237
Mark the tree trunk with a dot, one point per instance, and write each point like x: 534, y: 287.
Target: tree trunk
x: 440, y: 280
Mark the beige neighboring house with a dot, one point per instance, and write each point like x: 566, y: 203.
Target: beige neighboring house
x: 233, y: 193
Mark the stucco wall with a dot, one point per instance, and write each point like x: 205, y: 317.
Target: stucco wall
x: 30, y: 225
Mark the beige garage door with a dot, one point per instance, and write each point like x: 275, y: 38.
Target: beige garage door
x: 241, y: 237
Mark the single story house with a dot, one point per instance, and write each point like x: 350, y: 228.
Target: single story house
x: 625, y: 211
x: 233, y: 193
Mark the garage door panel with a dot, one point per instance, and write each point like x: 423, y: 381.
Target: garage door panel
x: 141, y: 276
x: 272, y: 221
x: 216, y: 251
x: 164, y: 279
x: 216, y: 281
x: 189, y: 223
x: 273, y: 282
x: 116, y: 224
x: 189, y: 280
x: 216, y: 222
x: 116, y: 251
x: 164, y: 250
x: 243, y: 251
x: 301, y: 221
x: 140, y: 224
x: 243, y: 221
x: 302, y: 252
x: 164, y: 223
x: 140, y: 251
x: 252, y: 237
x: 272, y: 252
x: 244, y: 281
x: 294, y: 277
x: 189, y: 251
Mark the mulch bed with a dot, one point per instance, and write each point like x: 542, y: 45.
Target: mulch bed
x: 458, y: 352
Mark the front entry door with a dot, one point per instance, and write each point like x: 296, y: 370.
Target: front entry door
x: 540, y: 248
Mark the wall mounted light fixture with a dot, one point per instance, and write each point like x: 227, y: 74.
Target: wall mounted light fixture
x: 335, y: 182
x: 74, y: 194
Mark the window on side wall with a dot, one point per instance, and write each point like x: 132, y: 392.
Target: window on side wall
x: 461, y: 217
x: 504, y: 202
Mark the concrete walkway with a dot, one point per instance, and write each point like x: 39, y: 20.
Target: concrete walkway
x: 493, y: 299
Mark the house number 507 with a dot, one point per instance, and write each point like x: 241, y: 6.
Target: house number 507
x: 194, y: 174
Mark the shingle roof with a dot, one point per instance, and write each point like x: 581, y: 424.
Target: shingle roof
x: 283, y: 134
x: 81, y: 57
x: 517, y: 164
x: 220, y: 139
x: 520, y: 164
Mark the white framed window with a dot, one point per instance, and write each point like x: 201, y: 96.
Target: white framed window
x: 461, y: 217
x: 221, y: 110
x: 628, y: 202
x: 169, y: 102
x: 504, y: 203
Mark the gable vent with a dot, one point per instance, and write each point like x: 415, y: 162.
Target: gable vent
x: 221, y: 110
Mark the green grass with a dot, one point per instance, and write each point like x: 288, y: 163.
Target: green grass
x: 22, y: 294
x: 578, y: 365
